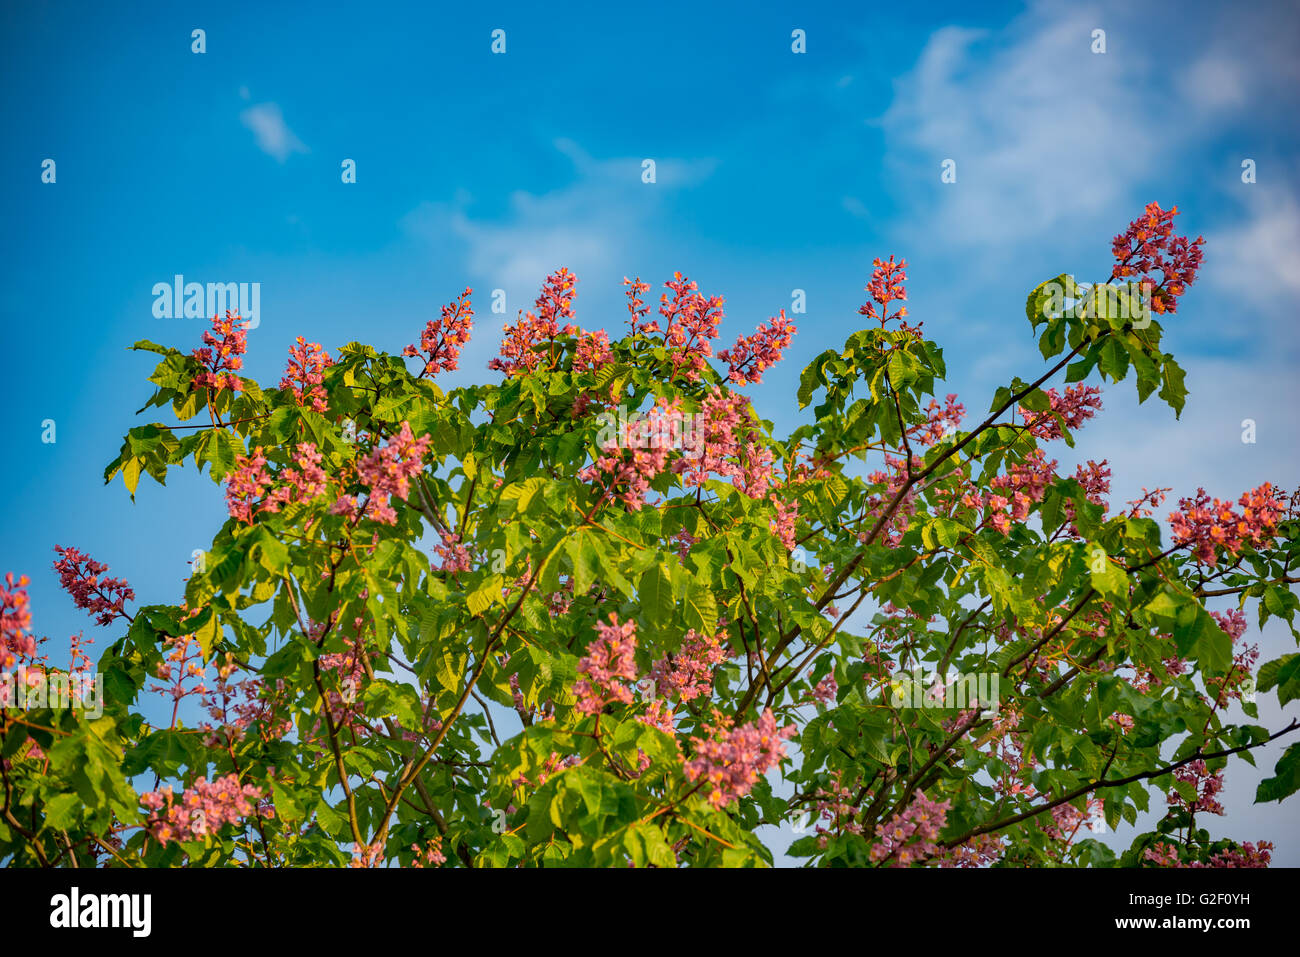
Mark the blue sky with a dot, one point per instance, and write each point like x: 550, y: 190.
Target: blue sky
x: 775, y: 171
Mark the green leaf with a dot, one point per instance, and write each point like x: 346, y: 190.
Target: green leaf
x: 585, y: 556
x: 701, y: 608
x: 61, y: 810
x: 522, y: 493
x: 487, y: 594
x: 656, y: 595
x: 1285, y: 780
x: 1174, y: 391
x: 1107, y: 577
x: 1114, y: 359
x: 1284, y: 674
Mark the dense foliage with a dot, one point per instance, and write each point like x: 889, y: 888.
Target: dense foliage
x: 597, y: 613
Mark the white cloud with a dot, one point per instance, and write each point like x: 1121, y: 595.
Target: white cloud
x: 593, y: 226
x: 1042, y: 130
x: 273, y: 136
x: 1257, y: 259
x: 1215, y: 81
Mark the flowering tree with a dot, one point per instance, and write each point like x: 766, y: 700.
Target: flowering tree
x: 597, y: 613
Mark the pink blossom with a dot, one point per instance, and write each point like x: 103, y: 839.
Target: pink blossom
x: 1206, y: 526
x: 637, y: 309
x: 1079, y: 404
x: 455, y: 556
x: 444, y: 337
x: 221, y: 354
x: 593, y: 352
x: 730, y: 763
x: 610, y: 660
x: 15, y: 621
x: 630, y: 462
x: 784, y: 524
x: 723, y: 444
x: 201, y: 811
x: 519, y: 348
x: 246, y: 484
x: 692, y: 324
x: 911, y: 835
x: 752, y: 354
x: 886, y: 286
x: 238, y: 705
x: 430, y: 855
x: 1149, y: 246
x: 688, y: 674
x: 940, y: 420
x: 307, y: 362
x: 1205, y: 784
x: 387, y: 471
x: 79, y: 574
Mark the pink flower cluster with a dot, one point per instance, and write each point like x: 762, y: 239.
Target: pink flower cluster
x: 387, y: 471
x: 836, y: 804
x: 894, y: 478
x: 910, y: 835
x: 365, y: 856
x: 1207, y: 785
x: 637, y: 309
x: 183, y: 662
x: 940, y: 420
x: 15, y: 621
x: 730, y: 763
x: 202, y: 810
x: 784, y: 524
x: 692, y: 323
x: 455, y: 556
x: 725, y: 446
x: 221, y: 357
x: 747, y: 359
x: 637, y: 455
x: 1164, y: 854
x: 79, y: 574
x: 886, y: 286
x: 1068, y: 819
x: 1095, y: 479
x: 301, y: 484
x: 344, y: 705
x: 1025, y: 484
x: 1078, y: 405
x: 610, y: 660
x: 1206, y: 525
x: 430, y: 855
x: 688, y: 674
x: 248, y: 482
x: 238, y: 705
x: 1149, y: 246
x: 444, y: 337
x: 519, y: 347
x: 826, y: 691
x: 304, y: 374
x: 593, y: 352
x: 1231, y: 685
